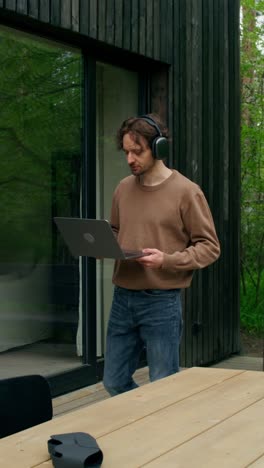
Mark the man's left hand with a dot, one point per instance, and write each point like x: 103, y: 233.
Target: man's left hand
x: 154, y: 259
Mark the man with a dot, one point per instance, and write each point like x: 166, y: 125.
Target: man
x: 163, y: 213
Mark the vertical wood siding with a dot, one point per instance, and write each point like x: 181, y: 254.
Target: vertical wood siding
x: 199, y: 39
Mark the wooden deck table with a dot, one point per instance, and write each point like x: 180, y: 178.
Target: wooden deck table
x: 199, y: 418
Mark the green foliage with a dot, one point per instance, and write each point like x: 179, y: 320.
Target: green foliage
x: 40, y: 135
x: 252, y: 164
x: 252, y: 316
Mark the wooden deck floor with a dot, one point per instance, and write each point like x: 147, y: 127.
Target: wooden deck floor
x: 95, y: 393
x: 89, y: 395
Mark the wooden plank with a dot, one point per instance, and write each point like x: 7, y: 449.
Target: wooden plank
x: 90, y: 395
x: 196, y: 160
x: 10, y: 4
x: 222, y: 416
x: 163, y: 31
x: 226, y: 251
x: 208, y: 152
x: 95, y: 397
x: 196, y: 74
x: 66, y: 14
x: 55, y: 17
x: 174, y: 96
x: 234, y: 150
x: 178, y: 424
x: 75, y: 15
x: 217, y: 332
x: 159, y: 93
x: 22, y: 6
x: 207, y: 170
x: 127, y: 25
x: 188, y: 91
x: 156, y: 29
x: 258, y: 463
x: 170, y: 31
x: 197, y: 320
x: 85, y: 398
x: 149, y: 29
x: 200, y: 322
x: 185, y: 147
x: 181, y: 160
x: 44, y: 11
x: 233, y: 194
x: 142, y: 27
x: 219, y: 167
x: 110, y: 21
x: 29, y: 448
x: 93, y: 18
x: 134, y: 26
x: 84, y: 17
x: 102, y: 19
x: 234, y: 443
x: 71, y: 397
x: 33, y: 8
x: 119, y: 23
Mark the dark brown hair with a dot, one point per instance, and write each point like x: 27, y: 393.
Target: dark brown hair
x: 138, y: 127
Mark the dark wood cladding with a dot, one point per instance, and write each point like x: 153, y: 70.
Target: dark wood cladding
x: 206, y: 127
x: 144, y: 27
x: 199, y: 96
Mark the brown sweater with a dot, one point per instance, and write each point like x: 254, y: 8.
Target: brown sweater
x: 173, y: 217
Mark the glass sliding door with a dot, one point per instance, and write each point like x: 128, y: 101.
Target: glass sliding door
x: 117, y: 99
x: 40, y: 167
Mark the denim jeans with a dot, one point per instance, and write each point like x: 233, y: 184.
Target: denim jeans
x: 150, y: 318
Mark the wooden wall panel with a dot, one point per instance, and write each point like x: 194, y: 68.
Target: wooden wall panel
x: 10, y: 4
x: 22, y: 6
x: 93, y: 19
x: 208, y: 153
x: 55, y: 13
x: 156, y: 28
x: 75, y: 14
x: 110, y: 22
x: 118, y: 24
x: 142, y: 27
x: 84, y: 17
x: 44, y: 11
x: 127, y: 22
x: 65, y: 11
x: 135, y: 26
x: 234, y: 168
x: 33, y: 8
x: 199, y: 40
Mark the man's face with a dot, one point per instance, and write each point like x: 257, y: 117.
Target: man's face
x: 139, y: 155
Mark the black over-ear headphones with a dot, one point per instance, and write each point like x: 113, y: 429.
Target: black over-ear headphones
x: 159, y: 144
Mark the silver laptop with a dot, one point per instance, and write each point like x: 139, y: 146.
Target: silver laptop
x: 92, y: 238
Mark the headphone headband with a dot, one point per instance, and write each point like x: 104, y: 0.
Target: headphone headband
x: 151, y: 122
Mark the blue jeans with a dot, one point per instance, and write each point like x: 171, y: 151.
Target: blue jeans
x: 150, y: 318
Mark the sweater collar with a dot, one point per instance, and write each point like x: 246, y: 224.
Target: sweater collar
x: 153, y: 188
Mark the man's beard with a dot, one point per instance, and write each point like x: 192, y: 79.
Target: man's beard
x: 137, y: 172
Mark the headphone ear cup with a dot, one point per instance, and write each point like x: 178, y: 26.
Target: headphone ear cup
x: 160, y: 147
x: 154, y: 148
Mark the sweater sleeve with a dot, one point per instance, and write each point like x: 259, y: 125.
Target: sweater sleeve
x: 204, y: 247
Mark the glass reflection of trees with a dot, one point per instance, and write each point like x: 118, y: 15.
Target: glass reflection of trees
x: 40, y: 144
